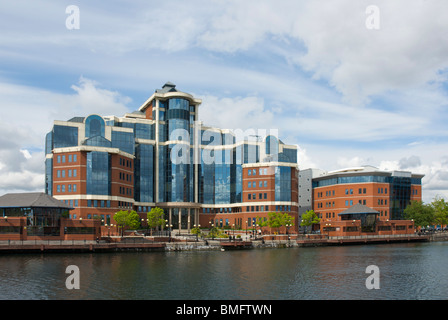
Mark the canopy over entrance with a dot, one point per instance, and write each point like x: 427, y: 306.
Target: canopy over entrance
x: 366, y: 215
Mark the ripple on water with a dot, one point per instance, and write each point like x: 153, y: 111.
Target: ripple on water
x: 407, y: 271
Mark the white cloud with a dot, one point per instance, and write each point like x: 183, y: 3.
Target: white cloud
x: 407, y: 51
x: 27, y: 114
x: 259, y: 55
x: 236, y: 113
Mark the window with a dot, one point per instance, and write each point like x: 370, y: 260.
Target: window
x: 74, y: 172
x: 249, y: 196
x: 249, y: 172
x: 260, y: 184
x: 249, y: 184
x: 58, y: 174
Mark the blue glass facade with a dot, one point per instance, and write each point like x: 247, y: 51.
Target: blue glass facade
x: 65, y: 136
x: 282, y: 184
x: 95, y: 126
x: 123, y: 141
x: 98, y: 173
x: 156, y: 150
x: 144, y: 173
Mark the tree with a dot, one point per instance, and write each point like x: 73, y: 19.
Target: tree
x: 309, y: 218
x: 155, y: 218
x: 133, y: 221
x: 440, y: 207
x: 277, y: 220
x: 125, y: 218
x: 422, y: 214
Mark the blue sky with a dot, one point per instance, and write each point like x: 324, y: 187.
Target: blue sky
x: 345, y: 94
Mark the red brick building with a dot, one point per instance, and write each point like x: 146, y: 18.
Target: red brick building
x: 38, y: 216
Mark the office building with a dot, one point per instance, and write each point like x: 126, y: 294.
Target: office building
x: 161, y: 155
x: 388, y: 192
x: 385, y: 193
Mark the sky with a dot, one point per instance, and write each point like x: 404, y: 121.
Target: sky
x: 349, y: 82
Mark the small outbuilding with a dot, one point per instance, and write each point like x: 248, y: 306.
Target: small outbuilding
x: 37, y: 215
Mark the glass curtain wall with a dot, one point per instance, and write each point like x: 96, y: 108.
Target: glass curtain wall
x: 144, y: 179
x: 98, y: 173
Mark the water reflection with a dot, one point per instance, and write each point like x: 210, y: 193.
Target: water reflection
x: 407, y: 271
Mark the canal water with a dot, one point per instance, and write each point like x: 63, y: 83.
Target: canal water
x: 405, y: 271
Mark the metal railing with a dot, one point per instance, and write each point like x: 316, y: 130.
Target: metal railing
x: 377, y: 236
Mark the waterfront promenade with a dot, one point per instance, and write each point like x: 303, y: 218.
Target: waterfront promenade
x: 181, y: 243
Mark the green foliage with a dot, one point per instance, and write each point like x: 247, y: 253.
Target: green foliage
x: 422, y: 214
x: 125, y: 218
x: 276, y: 220
x: 196, y: 231
x: 155, y: 217
x: 309, y: 218
x: 216, y: 233
x: 120, y: 217
x: 133, y: 220
x: 440, y: 207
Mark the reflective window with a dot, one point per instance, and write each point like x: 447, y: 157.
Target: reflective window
x: 123, y: 141
x: 144, y: 168
x: 98, y: 179
x: 282, y: 184
x: 95, y: 126
x: 64, y: 136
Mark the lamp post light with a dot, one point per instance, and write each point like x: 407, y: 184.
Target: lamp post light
x: 169, y: 226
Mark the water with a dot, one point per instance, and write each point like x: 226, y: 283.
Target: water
x: 407, y: 271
